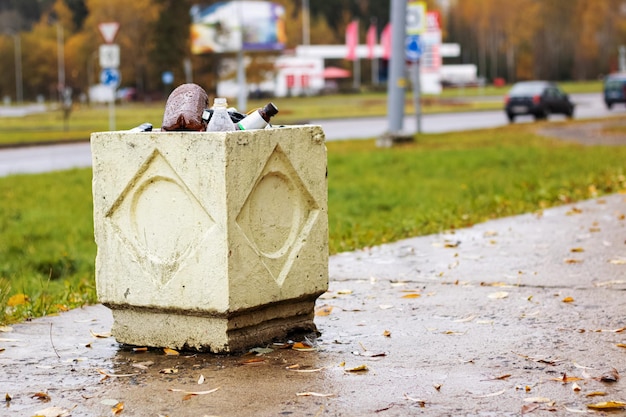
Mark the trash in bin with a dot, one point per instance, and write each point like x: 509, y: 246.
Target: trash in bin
x: 184, y: 108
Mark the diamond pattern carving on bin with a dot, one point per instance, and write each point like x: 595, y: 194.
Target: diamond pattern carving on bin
x: 278, y: 215
x: 160, y: 240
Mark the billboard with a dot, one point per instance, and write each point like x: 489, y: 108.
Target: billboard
x: 237, y: 25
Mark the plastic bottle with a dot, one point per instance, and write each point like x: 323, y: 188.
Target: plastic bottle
x: 258, y: 119
x: 220, y: 120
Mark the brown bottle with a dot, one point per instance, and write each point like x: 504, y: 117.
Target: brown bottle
x: 184, y: 107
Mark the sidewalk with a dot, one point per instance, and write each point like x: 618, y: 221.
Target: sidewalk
x: 519, y: 315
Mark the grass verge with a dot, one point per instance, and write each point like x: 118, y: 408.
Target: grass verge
x: 440, y: 182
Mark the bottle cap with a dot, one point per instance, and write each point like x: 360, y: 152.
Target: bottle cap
x: 270, y: 109
x: 219, y: 101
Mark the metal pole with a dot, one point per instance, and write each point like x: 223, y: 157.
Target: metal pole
x: 112, y: 110
x: 19, y: 95
x: 61, y: 60
x: 397, y: 81
x: 417, y: 93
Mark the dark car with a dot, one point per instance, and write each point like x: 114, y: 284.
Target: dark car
x: 615, y: 89
x: 537, y: 98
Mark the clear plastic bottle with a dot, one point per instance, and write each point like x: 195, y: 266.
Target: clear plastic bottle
x: 220, y: 120
x: 258, y: 119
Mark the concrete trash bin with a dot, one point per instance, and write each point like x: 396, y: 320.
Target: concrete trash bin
x: 210, y: 241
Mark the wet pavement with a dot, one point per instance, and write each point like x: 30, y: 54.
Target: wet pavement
x: 522, y: 315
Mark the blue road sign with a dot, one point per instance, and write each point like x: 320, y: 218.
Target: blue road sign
x: 110, y: 77
x: 167, y: 77
x: 413, y: 48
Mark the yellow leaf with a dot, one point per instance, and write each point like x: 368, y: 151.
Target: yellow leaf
x: 596, y: 394
x: 42, y: 396
x: 254, y: 361
x: 387, y: 333
x: 324, y: 310
x: 17, y: 300
x: 360, y: 368
x: 170, y: 352
x: 576, y: 250
x: 568, y: 300
x: 302, y: 347
x: 412, y: 295
x: 572, y: 261
x: 118, y: 408
x: 607, y: 405
x: 622, y: 345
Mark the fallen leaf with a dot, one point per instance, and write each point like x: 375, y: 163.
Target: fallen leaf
x: 254, y: 361
x: 412, y: 295
x: 465, y: 319
x: 577, y: 250
x: 449, y: 244
x: 596, y: 394
x: 324, y: 310
x: 621, y: 345
x: 170, y: 352
x: 201, y: 379
x: 619, y: 261
x: 53, y: 412
x: 607, y: 405
x: 498, y: 295
x: 211, y: 391
x: 313, y: 394
x: 437, y: 386
x: 501, y: 377
x: 344, y: 292
x: 537, y: 400
x: 41, y: 396
x: 99, y: 335
x: 261, y: 351
x: 7, y: 397
x: 529, y: 408
x: 568, y: 300
x: 574, y: 210
x: 17, y: 300
x: 303, y: 347
x: 140, y: 349
x: 117, y: 408
x: 610, y: 376
x: 387, y: 333
x: 572, y: 261
x: 421, y: 403
x: 168, y: 371
x: 576, y: 387
x: 385, y: 306
x: 6, y: 329
x: 360, y: 368
x: 108, y: 375
x: 305, y: 371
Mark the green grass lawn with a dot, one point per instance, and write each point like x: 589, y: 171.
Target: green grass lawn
x: 440, y: 182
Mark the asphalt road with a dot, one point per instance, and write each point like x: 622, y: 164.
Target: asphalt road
x: 78, y: 155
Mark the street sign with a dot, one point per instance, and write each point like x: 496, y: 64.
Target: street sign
x: 108, y: 30
x: 415, y: 17
x: 109, y: 56
x: 110, y: 77
x: 413, y: 48
x: 167, y: 77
